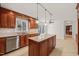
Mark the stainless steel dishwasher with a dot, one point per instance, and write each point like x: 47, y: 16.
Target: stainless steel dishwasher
x: 11, y: 43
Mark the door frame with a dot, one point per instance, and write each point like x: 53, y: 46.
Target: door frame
x: 65, y: 27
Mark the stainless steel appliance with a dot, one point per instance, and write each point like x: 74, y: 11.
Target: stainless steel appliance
x: 11, y: 43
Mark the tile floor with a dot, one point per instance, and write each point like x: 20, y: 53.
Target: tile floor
x: 67, y: 47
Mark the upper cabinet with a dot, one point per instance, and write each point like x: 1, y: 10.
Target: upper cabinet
x: 32, y: 23
x: 7, y: 19
x: 11, y: 20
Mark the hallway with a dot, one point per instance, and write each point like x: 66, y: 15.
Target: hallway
x: 65, y: 47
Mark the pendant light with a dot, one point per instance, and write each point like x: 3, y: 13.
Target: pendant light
x: 45, y: 17
x: 37, y: 15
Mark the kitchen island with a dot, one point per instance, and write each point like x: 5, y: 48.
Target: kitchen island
x: 41, y: 45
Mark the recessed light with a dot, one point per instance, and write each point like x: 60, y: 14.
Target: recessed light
x: 11, y: 12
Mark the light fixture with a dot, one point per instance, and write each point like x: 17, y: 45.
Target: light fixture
x: 37, y: 14
x: 37, y: 21
x: 45, y: 24
x: 46, y: 10
x: 45, y: 16
x: 51, y: 20
x: 11, y: 12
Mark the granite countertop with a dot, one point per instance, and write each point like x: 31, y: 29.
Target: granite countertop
x: 40, y: 38
x: 11, y: 34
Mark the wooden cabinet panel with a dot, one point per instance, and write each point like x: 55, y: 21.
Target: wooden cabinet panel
x: 33, y: 23
x: 23, y: 41
x: 2, y: 46
x: 50, y: 44
x: 34, y: 48
x: 7, y: 19
x: 11, y: 20
x: 54, y: 41
x: 44, y: 48
x: 3, y: 20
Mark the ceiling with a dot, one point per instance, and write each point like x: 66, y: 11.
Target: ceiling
x: 60, y: 11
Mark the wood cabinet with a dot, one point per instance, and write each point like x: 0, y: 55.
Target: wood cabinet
x: 33, y: 48
x: 2, y: 46
x: 43, y: 48
x: 32, y: 23
x: 11, y: 21
x: 51, y: 44
x: 54, y: 41
x: 23, y: 40
x: 7, y: 19
x: 3, y: 20
x: 38, y: 49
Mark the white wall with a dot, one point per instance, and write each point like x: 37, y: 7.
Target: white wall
x: 74, y: 29
x: 57, y: 28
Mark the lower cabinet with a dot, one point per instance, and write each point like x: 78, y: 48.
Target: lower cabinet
x: 54, y: 41
x: 2, y: 46
x: 50, y: 44
x: 23, y: 41
x: 33, y: 48
x: 43, y: 48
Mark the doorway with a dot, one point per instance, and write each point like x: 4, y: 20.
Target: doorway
x: 68, y: 29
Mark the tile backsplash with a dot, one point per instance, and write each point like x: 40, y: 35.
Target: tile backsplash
x: 33, y: 31
x: 6, y: 30
x: 9, y: 30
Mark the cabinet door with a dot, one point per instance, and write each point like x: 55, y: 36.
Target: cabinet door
x: 44, y: 48
x: 3, y: 20
x: 26, y: 40
x: 23, y: 41
x: 33, y: 48
x: 11, y: 20
x: 7, y: 19
x: 33, y: 23
x: 50, y: 44
x: 2, y: 46
x: 54, y: 41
